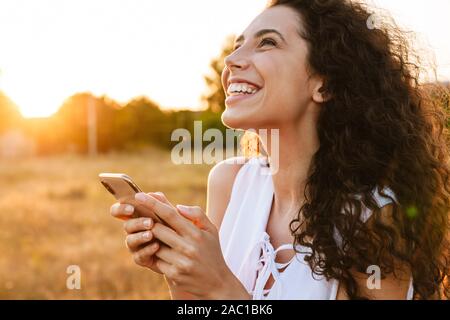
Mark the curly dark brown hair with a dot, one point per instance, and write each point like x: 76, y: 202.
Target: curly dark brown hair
x: 380, y: 128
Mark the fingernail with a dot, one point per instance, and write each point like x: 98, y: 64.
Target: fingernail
x: 146, y: 235
x: 115, y: 207
x: 182, y: 208
x: 147, y: 223
x: 129, y: 208
x: 142, y: 197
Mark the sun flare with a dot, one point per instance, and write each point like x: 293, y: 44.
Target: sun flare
x: 53, y: 49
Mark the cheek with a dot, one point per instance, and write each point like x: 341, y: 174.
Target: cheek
x: 286, y: 80
x: 287, y: 97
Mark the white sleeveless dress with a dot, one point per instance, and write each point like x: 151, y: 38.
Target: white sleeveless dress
x: 243, y: 236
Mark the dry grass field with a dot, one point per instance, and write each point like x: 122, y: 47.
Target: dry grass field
x: 54, y: 213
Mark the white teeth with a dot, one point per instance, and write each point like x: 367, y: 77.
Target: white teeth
x: 239, y: 88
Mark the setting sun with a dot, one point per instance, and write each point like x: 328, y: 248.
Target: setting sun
x: 129, y: 173
x: 53, y: 49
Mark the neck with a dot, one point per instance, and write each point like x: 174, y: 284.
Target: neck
x: 290, y: 157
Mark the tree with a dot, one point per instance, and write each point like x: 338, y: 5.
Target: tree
x: 71, y: 122
x: 215, y: 97
x: 141, y: 121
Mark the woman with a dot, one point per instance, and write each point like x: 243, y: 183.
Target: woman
x: 360, y: 191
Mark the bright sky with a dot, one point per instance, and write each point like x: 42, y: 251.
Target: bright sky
x: 51, y: 49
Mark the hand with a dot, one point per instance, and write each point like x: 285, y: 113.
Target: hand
x: 135, y: 228
x: 190, y: 256
x: 139, y: 239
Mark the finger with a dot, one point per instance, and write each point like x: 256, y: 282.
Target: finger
x: 169, y: 270
x: 197, y: 216
x: 145, y: 256
x: 161, y: 197
x: 121, y: 210
x: 171, y: 238
x: 167, y: 213
x: 138, y: 224
x: 174, y: 258
x: 166, y: 268
x: 135, y: 240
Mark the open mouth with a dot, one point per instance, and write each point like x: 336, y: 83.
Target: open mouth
x: 236, y: 97
x: 240, y: 91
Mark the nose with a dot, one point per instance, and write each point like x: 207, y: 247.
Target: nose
x: 236, y: 60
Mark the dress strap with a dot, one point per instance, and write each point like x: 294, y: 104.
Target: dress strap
x: 410, y: 294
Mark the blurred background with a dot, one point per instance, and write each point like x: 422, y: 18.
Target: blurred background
x: 99, y: 86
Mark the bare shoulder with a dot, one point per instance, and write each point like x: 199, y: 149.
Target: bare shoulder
x: 220, y: 184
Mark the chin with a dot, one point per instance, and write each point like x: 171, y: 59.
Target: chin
x: 236, y: 120
x: 250, y: 120
x: 247, y: 115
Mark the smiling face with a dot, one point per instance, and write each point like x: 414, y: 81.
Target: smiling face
x: 269, y: 63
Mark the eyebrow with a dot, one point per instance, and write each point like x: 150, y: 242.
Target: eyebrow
x: 261, y: 33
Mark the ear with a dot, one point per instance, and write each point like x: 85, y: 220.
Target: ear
x: 319, y: 94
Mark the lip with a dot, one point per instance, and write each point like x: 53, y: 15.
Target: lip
x: 231, y: 100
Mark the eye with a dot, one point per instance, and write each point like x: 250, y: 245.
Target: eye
x: 262, y: 43
x: 268, y: 41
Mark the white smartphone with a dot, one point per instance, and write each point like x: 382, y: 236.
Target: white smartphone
x: 122, y: 187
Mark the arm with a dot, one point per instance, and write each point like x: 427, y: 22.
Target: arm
x: 220, y: 183
x: 391, y: 287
